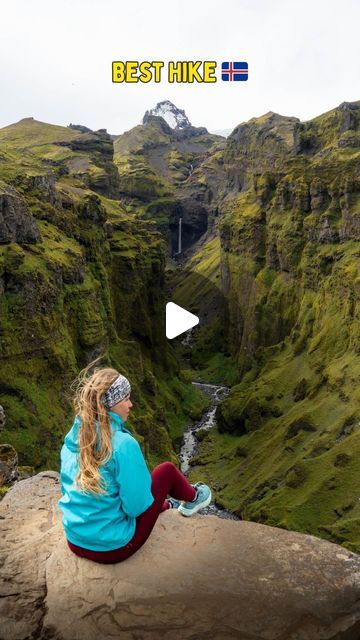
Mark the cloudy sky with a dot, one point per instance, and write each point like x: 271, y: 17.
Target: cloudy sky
x: 55, y: 58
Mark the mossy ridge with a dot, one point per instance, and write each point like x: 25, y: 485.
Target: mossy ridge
x: 24, y: 143
x: 59, y: 309
x: 77, y: 321
x: 31, y: 149
x: 266, y: 223
x: 137, y: 176
x: 61, y: 338
x: 289, y: 254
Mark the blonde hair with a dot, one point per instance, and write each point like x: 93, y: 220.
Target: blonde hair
x: 89, y: 388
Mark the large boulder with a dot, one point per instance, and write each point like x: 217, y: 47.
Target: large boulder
x: 199, y: 577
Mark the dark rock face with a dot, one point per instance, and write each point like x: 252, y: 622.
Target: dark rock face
x: 8, y: 465
x: 46, y: 187
x: 93, y: 141
x: 189, y: 132
x: 2, y: 418
x: 16, y: 222
x: 194, y: 223
x: 42, y: 186
x: 323, y: 232
x: 91, y: 210
x: 349, y: 119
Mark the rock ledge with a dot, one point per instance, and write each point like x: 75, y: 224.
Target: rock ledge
x: 199, y: 577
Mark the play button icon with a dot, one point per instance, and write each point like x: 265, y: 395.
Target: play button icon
x: 178, y: 320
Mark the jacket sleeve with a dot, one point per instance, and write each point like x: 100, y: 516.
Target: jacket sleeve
x: 60, y: 474
x: 133, y: 477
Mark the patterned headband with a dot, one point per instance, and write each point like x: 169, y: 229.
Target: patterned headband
x: 119, y: 389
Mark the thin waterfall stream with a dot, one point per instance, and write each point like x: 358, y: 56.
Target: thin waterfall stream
x: 179, y: 237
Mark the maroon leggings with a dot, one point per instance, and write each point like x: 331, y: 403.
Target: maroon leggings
x: 166, y: 479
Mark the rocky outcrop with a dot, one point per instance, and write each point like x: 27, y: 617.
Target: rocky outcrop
x: 226, y: 580
x: 102, y: 177
x: 8, y: 465
x: 261, y: 144
x: 16, y: 221
x: 92, y: 141
x: 42, y: 187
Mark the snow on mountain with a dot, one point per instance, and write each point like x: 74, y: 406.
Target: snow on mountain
x: 174, y: 117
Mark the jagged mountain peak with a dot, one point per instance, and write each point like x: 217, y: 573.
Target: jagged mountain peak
x: 174, y: 117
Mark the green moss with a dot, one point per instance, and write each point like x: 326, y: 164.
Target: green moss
x: 3, y: 491
x: 194, y: 403
x: 302, y: 424
x: 300, y: 390
x: 296, y: 476
x: 201, y: 434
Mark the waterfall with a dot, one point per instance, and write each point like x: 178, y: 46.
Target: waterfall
x: 179, y: 243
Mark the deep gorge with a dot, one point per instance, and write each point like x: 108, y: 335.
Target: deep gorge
x: 271, y: 217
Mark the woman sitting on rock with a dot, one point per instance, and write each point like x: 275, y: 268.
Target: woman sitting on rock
x: 109, y: 523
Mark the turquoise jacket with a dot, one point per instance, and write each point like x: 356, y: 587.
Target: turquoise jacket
x: 108, y: 521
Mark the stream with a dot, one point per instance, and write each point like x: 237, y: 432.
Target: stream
x: 190, y: 446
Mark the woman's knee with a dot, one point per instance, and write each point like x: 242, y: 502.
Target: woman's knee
x: 165, y: 468
x: 169, y: 466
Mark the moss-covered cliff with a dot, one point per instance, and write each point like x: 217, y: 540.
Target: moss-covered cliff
x: 79, y: 277
x: 288, y: 443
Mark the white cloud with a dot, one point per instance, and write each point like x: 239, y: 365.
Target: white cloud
x: 55, y: 61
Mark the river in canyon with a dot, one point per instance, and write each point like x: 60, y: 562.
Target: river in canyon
x: 190, y: 445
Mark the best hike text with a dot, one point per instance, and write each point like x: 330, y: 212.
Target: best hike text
x: 187, y: 71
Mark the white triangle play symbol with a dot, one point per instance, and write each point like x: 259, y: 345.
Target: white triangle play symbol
x: 178, y: 320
